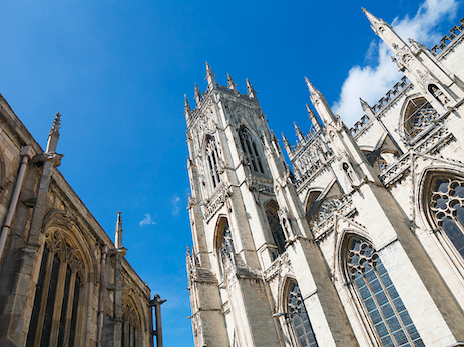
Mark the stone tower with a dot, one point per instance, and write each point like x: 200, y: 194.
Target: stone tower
x: 361, y: 243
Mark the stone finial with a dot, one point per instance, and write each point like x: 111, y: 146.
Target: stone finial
x: 118, y: 232
x: 186, y: 105
x: 210, y: 77
x: 251, y: 91
x: 230, y: 83
x: 54, y: 134
x: 313, y: 118
x: 299, y: 133
x: 197, y: 94
x: 375, y: 22
x: 286, y: 143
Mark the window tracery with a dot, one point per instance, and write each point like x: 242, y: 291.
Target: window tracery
x: 251, y: 150
x: 389, y: 316
x: 299, y: 318
x: 130, y: 327
x: 447, y: 207
x: 213, y: 162
x: 418, y: 116
x: 55, y: 310
x: 276, y: 228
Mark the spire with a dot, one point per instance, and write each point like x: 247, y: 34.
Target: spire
x: 197, y: 94
x: 118, y: 232
x: 313, y: 119
x: 230, y: 83
x: 251, y: 91
x: 320, y: 103
x: 210, y: 77
x: 376, y: 23
x: 298, y: 132
x: 54, y: 134
x: 287, y: 146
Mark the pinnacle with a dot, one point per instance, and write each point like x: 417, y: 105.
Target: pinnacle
x: 56, y: 124
x: 119, y: 222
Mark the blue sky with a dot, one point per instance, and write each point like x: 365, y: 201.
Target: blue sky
x: 117, y: 72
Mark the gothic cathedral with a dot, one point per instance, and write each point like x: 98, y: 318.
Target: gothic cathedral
x: 361, y: 243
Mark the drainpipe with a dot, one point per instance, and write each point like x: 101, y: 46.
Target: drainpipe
x: 25, y: 153
x: 101, y: 304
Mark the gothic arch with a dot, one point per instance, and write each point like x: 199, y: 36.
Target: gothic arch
x: 378, y: 304
x: 271, y: 208
x: 61, y: 299
x: 221, y: 222
x: 416, y: 116
x: 252, y: 149
x: 441, y: 205
x: 134, y: 322
x: 297, y: 327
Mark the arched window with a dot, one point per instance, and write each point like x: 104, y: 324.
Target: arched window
x: 55, y: 308
x: 276, y: 228
x: 447, y: 208
x: 419, y: 115
x: 212, y: 158
x: 380, y: 299
x: 130, y: 335
x: 298, y: 316
x: 251, y: 150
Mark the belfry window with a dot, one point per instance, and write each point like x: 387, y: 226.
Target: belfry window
x: 251, y: 150
x: 447, y: 207
x: 380, y: 299
x: 212, y: 159
x: 276, y: 228
x: 418, y: 116
x: 55, y: 309
x: 299, y: 317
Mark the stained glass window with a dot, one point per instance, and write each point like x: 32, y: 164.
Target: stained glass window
x: 447, y: 206
x: 299, y: 316
x: 386, y: 310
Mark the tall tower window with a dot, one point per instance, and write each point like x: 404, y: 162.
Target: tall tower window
x: 251, y: 150
x: 299, y: 317
x: 419, y: 115
x: 447, y: 207
x: 212, y: 159
x: 380, y: 299
x: 276, y: 228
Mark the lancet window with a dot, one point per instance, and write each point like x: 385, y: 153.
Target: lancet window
x: 276, y: 228
x: 418, y: 116
x: 447, y: 208
x: 213, y: 162
x: 251, y: 150
x: 54, y: 317
x: 227, y: 248
x: 298, y: 316
x: 380, y: 300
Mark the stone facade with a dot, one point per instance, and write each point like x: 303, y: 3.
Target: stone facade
x: 362, y: 244
x: 63, y: 281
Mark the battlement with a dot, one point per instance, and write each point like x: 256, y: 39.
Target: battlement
x: 448, y: 39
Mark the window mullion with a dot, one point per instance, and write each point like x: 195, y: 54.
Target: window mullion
x: 57, y: 306
x: 392, y: 304
x: 72, y: 283
x: 368, y: 285
x: 43, y: 299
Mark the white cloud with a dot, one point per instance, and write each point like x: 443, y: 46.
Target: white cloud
x: 175, y: 201
x: 372, y: 82
x: 146, y: 220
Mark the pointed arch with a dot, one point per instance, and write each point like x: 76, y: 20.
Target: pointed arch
x: 417, y: 117
x: 272, y: 213
x: 441, y: 200
x: 297, y: 323
x: 251, y: 150
x: 379, y: 304
x: 212, y: 163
